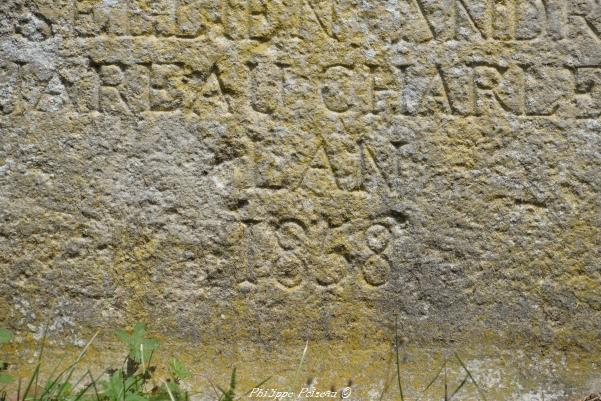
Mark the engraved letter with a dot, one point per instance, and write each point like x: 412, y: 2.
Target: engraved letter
x: 336, y: 90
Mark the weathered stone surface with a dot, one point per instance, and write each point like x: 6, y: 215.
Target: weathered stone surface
x: 266, y: 172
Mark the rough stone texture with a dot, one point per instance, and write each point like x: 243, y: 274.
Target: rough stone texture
x: 266, y: 172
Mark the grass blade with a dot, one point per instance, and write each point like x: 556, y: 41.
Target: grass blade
x: 39, y: 364
x: 136, y: 382
x: 258, y: 385
x: 431, y: 383
x: 81, y: 393
x: 480, y: 392
x: 94, y: 383
x: 300, y: 366
x: 446, y: 382
x: 233, y: 380
x: 53, y: 383
x: 78, y: 382
x: 387, y: 375
x: 32, y: 379
x: 398, y: 363
x: 142, y: 358
x: 56, y: 380
x: 71, y: 368
x: 214, y: 388
x: 459, y: 387
x: 150, y: 357
x: 168, y: 391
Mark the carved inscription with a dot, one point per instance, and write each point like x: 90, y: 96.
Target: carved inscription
x: 304, y: 116
x: 315, y: 254
x: 415, y: 21
x: 377, y: 269
x: 473, y: 89
x: 289, y: 267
